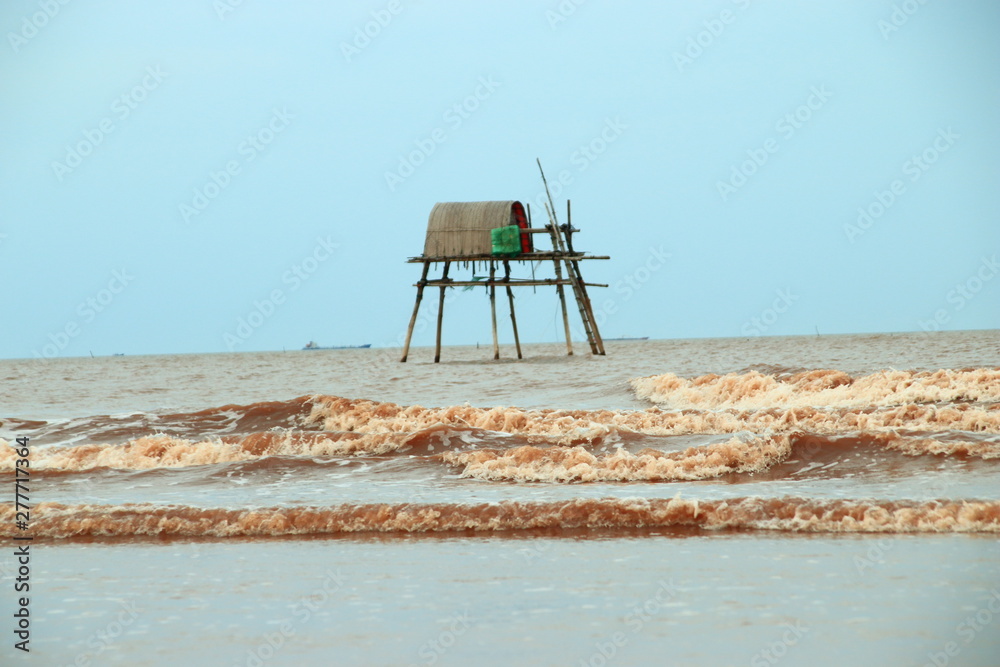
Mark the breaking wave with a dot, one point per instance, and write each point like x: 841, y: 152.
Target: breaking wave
x: 577, y: 426
x: 498, y: 457
x: 53, y: 520
x: 827, y: 388
x: 219, y: 421
x: 763, y: 421
x: 163, y: 451
x: 576, y: 464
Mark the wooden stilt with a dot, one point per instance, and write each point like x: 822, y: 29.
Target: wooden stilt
x: 513, y: 321
x: 513, y: 318
x: 416, y: 308
x: 533, y: 290
x: 598, y: 342
x: 574, y: 278
x: 437, y: 342
x: 493, y: 309
x: 562, y: 300
x: 572, y: 268
x: 557, y: 247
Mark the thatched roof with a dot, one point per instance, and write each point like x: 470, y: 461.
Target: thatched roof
x: 463, y: 228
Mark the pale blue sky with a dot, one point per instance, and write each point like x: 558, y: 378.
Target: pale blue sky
x: 330, y: 122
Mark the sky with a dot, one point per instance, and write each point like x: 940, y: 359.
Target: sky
x: 203, y: 176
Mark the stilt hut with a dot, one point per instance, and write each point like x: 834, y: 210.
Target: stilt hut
x: 495, y: 234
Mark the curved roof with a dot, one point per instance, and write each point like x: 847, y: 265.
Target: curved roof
x: 463, y: 228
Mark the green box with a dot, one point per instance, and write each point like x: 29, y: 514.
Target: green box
x: 506, y: 240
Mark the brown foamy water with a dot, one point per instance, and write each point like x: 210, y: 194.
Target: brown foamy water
x: 859, y: 442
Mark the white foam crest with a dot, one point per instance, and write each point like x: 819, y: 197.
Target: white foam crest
x: 576, y: 464
x: 163, y: 451
x: 826, y: 388
x: 579, y: 426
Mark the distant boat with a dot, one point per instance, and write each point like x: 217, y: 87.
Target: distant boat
x: 627, y: 338
x: 311, y: 345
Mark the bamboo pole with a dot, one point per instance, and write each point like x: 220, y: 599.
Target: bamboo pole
x: 534, y: 258
x: 513, y: 321
x: 572, y: 270
x: 510, y: 299
x: 552, y: 207
x: 533, y: 290
x: 556, y: 263
x: 515, y: 282
x: 561, y: 249
x: 575, y: 267
x: 493, y: 309
x: 416, y: 308
x: 565, y: 313
x: 437, y: 341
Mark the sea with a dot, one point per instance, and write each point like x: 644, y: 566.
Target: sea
x: 813, y: 500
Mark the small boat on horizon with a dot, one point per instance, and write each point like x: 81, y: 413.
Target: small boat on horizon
x: 629, y: 338
x: 311, y: 345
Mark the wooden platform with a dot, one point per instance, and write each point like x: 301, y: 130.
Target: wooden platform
x: 521, y: 257
x: 458, y: 229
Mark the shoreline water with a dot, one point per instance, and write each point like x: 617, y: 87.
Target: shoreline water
x: 710, y: 599
x: 726, y: 501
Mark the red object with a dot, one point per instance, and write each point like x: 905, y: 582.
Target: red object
x: 522, y: 221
